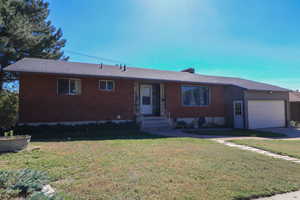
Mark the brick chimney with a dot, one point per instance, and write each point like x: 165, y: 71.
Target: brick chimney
x: 189, y: 70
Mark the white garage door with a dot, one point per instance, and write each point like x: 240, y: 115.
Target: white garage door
x: 266, y: 114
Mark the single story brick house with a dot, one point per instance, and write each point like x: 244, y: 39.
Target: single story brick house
x: 54, y: 91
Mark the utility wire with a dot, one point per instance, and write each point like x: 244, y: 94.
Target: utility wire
x: 96, y: 57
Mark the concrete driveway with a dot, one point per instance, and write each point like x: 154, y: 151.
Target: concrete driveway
x: 290, y: 132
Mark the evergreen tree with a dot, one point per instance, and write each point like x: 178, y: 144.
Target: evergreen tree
x: 26, y: 32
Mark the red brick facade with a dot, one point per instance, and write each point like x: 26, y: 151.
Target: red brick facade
x: 216, y: 108
x: 39, y: 101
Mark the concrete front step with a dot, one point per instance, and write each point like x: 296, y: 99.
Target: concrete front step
x: 153, y: 126
x: 155, y: 123
x: 156, y: 128
x: 154, y: 118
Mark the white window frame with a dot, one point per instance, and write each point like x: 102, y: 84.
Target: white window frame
x: 69, y: 92
x: 182, y: 96
x: 106, y: 88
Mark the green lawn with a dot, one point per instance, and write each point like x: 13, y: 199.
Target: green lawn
x: 156, y: 168
x: 283, y: 147
x: 236, y: 132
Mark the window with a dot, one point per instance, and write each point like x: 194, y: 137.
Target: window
x: 106, y: 85
x: 195, y: 95
x: 68, y: 86
x: 238, y: 108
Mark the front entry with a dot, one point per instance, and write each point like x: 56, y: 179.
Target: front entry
x: 146, y: 99
x: 238, y: 113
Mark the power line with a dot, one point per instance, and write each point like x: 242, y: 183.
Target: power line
x: 96, y: 57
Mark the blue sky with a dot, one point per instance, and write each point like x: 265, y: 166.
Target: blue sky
x: 257, y: 39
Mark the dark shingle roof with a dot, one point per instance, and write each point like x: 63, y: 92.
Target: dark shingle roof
x: 85, y: 69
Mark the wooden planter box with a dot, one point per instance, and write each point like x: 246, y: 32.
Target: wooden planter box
x: 14, y: 143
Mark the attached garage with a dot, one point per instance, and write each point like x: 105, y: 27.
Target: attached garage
x: 254, y: 109
x: 266, y: 113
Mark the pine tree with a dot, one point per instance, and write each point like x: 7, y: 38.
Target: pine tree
x: 25, y: 31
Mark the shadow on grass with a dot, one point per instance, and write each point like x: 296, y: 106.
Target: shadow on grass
x: 110, y: 135
x: 238, y: 133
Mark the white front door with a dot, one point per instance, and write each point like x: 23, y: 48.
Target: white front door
x: 146, y: 99
x: 238, y: 113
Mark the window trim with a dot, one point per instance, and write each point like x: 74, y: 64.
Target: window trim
x: 107, y: 90
x: 209, y: 95
x: 69, y: 92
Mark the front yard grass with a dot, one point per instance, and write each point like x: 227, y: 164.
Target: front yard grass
x: 283, y: 147
x: 156, y: 168
x: 236, y: 132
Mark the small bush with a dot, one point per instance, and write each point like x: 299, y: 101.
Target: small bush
x: 181, y: 124
x: 9, y: 133
x: 293, y: 123
x: 23, y: 183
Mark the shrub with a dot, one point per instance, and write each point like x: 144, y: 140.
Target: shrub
x: 23, y: 183
x: 293, y: 123
x: 8, y: 133
x: 9, y: 109
x: 181, y: 124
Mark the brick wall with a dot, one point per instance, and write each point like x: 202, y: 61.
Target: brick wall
x: 216, y: 108
x: 39, y: 101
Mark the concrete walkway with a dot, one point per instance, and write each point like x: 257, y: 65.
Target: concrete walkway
x: 293, y: 134
x: 224, y: 140
x: 267, y: 153
x: 286, y: 196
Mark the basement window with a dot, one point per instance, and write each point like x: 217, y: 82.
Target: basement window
x: 68, y: 87
x: 195, y: 95
x: 106, y: 85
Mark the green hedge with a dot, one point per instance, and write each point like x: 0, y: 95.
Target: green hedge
x: 108, y: 129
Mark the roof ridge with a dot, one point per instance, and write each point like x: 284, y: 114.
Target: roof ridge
x: 141, y: 68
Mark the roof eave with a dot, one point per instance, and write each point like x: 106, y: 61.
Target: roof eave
x: 121, y: 77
